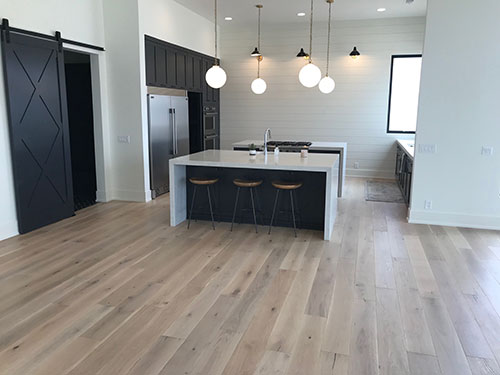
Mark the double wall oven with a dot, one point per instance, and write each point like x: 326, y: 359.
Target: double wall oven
x: 210, y: 127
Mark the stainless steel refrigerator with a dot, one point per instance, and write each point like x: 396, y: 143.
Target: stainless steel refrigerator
x: 168, y: 136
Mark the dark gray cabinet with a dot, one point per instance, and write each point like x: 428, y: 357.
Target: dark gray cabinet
x: 171, y: 66
x: 198, y: 77
x: 160, y: 67
x: 150, y: 64
x: 404, y: 170
x: 180, y: 69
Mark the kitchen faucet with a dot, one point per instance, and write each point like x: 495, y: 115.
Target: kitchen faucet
x: 267, y: 135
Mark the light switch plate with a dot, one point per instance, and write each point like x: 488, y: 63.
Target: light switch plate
x: 124, y: 139
x: 487, y: 151
x: 427, y: 148
x: 428, y: 205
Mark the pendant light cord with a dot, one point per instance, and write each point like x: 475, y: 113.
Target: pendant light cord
x: 215, y: 10
x: 329, y: 33
x: 311, y: 32
x: 258, y: 31
x: 258, y: 45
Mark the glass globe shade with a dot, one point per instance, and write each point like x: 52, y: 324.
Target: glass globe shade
x: 309, y: 75
x: 216, y: 77
x: 326, y: 85
x: 259, y: 86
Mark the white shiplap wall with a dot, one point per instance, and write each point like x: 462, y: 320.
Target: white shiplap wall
x: 356, y: 112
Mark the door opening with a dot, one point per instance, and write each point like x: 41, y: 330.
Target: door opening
x: 81, y: 128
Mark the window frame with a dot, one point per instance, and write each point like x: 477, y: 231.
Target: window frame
x: 393, y: 57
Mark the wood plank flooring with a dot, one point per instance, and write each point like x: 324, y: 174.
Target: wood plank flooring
x: 115, y: 290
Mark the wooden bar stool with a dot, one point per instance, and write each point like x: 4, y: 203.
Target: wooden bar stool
x: 200, y: 181
x: 285, y: 186
x: 251, y: 185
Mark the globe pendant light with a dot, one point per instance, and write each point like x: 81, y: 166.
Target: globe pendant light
x: 327, y: 84
x: 310, y: 75
x: 216, y: 76
x: 258, y: 85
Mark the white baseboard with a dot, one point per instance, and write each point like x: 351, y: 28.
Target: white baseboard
x: 131, y: 196
x: 450, y: 219
x: 102, y: 196
x: 8, y: 229
x: 370, y: 173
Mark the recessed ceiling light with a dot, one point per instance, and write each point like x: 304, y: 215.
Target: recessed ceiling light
x: 228, y: 18
x: 381, y: 10
x: 301, y: 14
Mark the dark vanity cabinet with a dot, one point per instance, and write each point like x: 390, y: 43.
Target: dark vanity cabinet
x: 404, y: 169
x: 171, y: 66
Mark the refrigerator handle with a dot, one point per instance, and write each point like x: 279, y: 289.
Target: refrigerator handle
x: 171, y: 114
x: 175, y: 129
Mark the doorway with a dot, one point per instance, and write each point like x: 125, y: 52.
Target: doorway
x: 77, y: 67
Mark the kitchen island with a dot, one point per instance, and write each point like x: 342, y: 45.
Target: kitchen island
x: 338, y: 148
x: 317, y: 199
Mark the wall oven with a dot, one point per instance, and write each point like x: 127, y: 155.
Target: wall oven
x: 211, y: 142
x: 210, y: 119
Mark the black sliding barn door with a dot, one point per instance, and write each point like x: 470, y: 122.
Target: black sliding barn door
x: 38, y: 121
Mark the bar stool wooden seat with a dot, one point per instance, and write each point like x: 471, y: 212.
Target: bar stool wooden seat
x: 202, y: 181
x: 251, y: 185
x: 285, y: 186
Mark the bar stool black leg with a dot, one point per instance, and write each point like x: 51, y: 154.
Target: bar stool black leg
x: 274, y: 209
x: 210, y: 203
x: 297, y: 211
x: 192, y: 204
x: 235, y: 207
x: 293, y: 214
x: 259, y: 206
x: 253, y: 208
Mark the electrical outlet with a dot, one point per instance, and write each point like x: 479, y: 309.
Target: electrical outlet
x: 487, y: 151
x: 124, y: 139
x: 427, y: 149
x: 356, y: 165
x: 428, y: 205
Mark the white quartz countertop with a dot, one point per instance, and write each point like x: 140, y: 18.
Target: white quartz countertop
x: 241, y: 159
x: 408, y: 146
x: 314, y: 146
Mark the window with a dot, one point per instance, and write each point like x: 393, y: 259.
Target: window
x: 403, y: 94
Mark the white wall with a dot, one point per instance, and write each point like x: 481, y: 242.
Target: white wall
x: 121, y: 26
x: 356, y: 112
x: 170, y: 21
x: 126, y: 22
x: 79, y: 20
x: 459, y: 112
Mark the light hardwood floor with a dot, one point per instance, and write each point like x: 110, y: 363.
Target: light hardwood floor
x: 115, y: 290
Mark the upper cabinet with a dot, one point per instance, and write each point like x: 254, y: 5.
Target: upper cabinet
x: 175, y: 67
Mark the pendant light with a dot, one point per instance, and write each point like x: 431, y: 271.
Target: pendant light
x: 327, y: 84
x: 310, y: 75
x: 256, y: 51
x: 355, y: 53
x: 216, y: 76
x: 258, y: 86
x: 303, y: 54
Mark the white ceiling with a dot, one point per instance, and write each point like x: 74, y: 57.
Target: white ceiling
x: 243, y: 11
